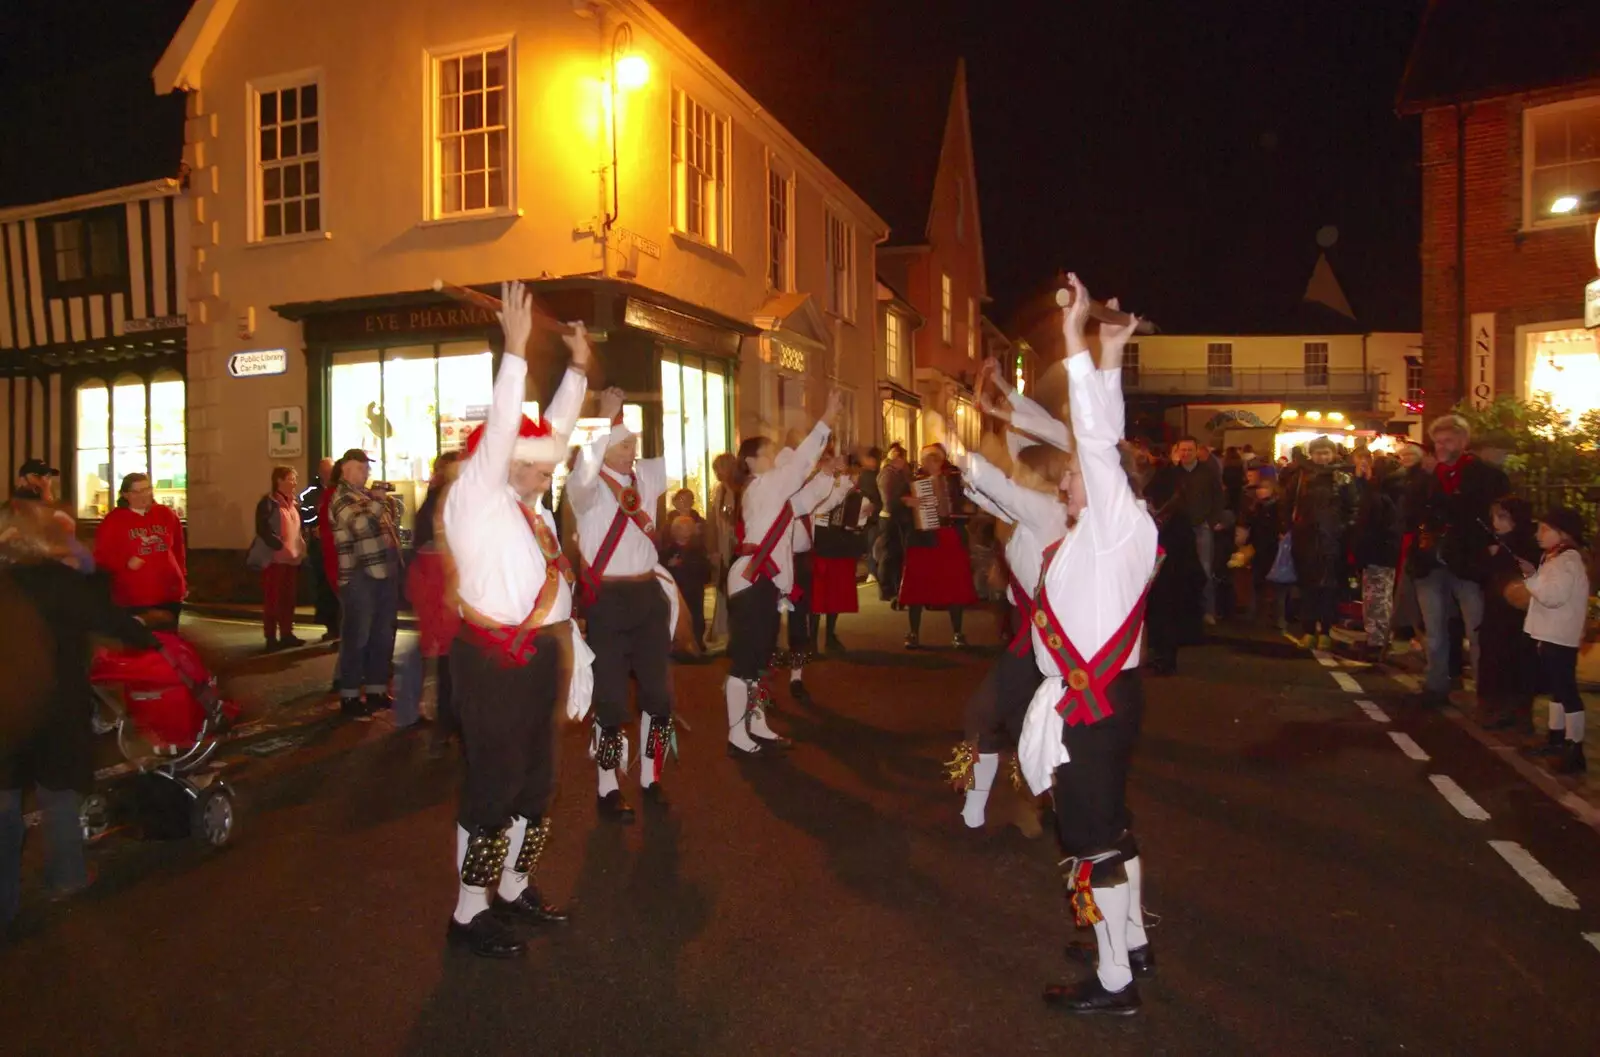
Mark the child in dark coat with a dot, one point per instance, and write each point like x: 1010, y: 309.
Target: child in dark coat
x: 1509, y: 657
x: 684, y: 556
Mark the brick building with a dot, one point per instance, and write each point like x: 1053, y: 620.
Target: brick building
x: 1509, y: 96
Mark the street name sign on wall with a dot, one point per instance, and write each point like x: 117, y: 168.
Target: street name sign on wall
x: 261, y: 364
x: 285, y: 437
x: 1480, y: 362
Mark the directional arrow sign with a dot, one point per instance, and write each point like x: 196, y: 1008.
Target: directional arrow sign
x: 258, y: 364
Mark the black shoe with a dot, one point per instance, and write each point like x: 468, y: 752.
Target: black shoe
x: 613, y: 806
x: 289, y: 642
x: 1569, y: 760
x: 779, y: 742
x: 1091, y: 996
x: 834, y: 645
x: 273, y: 646
x: 747, y: 754
x: 379, y: 702
x: 531, y: 908
x: 486, y: 936
x: 1142, y: 960
x: 913, y: 643
x: 329, y: 636
x: 655, y: 796
x: 1554, y: 743
x: 354, y: 708
x: 798, y: 691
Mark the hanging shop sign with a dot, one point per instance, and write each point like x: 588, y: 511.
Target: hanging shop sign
x: 138, y: 326
x: 1480, y: 378
x: 262, y: 364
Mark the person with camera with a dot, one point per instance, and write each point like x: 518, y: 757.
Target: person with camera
x: 1450, y: 520
x: 364, y: 530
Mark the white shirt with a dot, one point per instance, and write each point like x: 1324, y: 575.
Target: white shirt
x: 1037, y: 520
x: 1560, y: 604
x: 765, y: 497
x: 1102, y: 566
x: 804, y: 535
x: 498, y: 562
x: 596, y: 506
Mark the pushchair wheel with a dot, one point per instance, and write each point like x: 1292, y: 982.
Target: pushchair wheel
x: 212, y: 815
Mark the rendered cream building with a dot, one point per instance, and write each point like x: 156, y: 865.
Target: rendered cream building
x: 343, y: 156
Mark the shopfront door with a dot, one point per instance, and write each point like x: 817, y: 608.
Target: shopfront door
x: 696, y: 416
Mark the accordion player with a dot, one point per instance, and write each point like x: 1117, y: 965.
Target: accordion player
x: 932, y: 506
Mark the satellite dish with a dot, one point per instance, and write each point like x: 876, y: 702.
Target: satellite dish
x: 1327, y: 235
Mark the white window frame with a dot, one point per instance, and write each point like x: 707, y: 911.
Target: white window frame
x: 894, y: 345
x: 720, y: 214
x: 1531, y: 217
x: 946, y: 308
x: 1413, y: 393
x: 432, y: 184
x: 839, y: 239
x: 1130, y: 365
x: 1219, y: 375
x: 1312, y: 349
x: 780, y: 176
x: 255, y: 223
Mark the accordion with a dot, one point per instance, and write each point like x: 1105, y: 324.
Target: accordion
x: 842, y: 531
x: 930, y: 503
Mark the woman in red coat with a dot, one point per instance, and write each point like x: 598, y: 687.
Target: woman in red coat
x: 140, y: 546
x: 938, y: 571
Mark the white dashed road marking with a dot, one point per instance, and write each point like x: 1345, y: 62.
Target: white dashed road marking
x: 1346, y: 683
x: 1459, y: 799
x: 1543, y: 881
x: 1374, y: 713
x: 1408, y: 746
x: 1324, y: 658
x: 1410, y: 682
x: 1593, y: 938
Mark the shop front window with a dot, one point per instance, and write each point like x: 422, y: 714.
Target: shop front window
x: 694, y: 421
x: 405, y: 405
x: 130, y: 426
x: 1564, y: 369
x: 900, y: 424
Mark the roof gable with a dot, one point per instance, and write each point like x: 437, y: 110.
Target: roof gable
x: 795, y: 314
x: 185, y: 58
x: 1481, y: 49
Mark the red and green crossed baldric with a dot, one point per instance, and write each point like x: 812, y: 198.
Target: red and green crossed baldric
x: 1086, y: 699
x: 629, y: 508
x: 1022, y: 641
x: 762, y: 565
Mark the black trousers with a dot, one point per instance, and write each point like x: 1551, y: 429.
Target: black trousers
x: 1559, y: 665
x: 996, y: 710
x: 1091, y: 787
x: 799, y: 618
x: 894, y: 558
x: 627, y: 630
x: 507, y: 718
x: 752, y: 629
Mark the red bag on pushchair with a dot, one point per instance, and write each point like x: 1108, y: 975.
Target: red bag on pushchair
x: 165, y: 691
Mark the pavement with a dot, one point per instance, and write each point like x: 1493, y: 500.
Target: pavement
x: 1332, y: 873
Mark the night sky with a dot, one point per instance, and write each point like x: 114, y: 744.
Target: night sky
x: 1181, y: 154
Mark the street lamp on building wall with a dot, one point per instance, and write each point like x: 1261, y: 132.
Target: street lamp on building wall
x: 629, y: 70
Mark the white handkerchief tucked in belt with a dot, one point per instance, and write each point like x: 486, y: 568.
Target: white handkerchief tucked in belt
x: 669, y: 587
x: 580, y: 690
x: 1039, y: 750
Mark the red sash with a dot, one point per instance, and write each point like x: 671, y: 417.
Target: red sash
x: 1022, y: 641
x: 1086, y: 700
x: 762, y: 564
x: 516, y: 645
x: 629, y: 508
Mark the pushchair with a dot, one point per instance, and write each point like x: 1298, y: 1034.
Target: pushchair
x: 165, y: 710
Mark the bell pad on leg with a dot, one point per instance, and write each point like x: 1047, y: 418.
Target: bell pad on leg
x: 608, y: 747
x: 661, y: 741
x: 532, y: 846
x: 487, y: 848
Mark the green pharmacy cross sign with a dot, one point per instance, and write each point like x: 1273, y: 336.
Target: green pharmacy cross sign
x: 285, y: 438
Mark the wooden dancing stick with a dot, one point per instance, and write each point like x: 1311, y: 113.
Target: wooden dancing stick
x: 489, y: 303
x: 1101, y: 314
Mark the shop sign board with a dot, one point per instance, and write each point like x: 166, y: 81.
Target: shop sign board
x: 1480, y: 387
x: 261, y: 364
x: 139, y: 326
x: 285, y: 435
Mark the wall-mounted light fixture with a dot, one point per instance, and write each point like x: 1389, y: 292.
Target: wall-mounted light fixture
x: 629, y: 70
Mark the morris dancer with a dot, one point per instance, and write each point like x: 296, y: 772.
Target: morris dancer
x: 516, y: 604
x: 938, y: 570
x: 801, y: 633
x: 1084, y: 720
x: 1030, y: 502
x: 768, y: 492
x: 630, y: 611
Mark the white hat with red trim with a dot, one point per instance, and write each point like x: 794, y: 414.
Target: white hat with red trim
x: 536, y: 442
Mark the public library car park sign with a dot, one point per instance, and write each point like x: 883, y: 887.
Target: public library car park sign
x: 258, y: 364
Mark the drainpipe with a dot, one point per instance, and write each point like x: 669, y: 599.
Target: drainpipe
x: 1463, y: 323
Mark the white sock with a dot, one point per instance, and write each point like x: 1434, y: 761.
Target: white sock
x: 470, y: 902
x: 758, y: 724
x: 608, y: 780
x: 1111, y: 936
x: 796, y: 672
x: 1558, y: 715
x: 983, y: 773
x: 1575, y: 726
x: 738, y: 696
x: 1136, y: 933
x: 647, y: 766
x: 512, y: 883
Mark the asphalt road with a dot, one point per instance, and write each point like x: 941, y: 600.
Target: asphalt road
x: 1316, y: 893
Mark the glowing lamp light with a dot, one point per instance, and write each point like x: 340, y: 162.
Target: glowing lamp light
x: 1564, y: 205
x: 1315, y: 416
x: 1335, y: 416
x: 633, y: 71
x: 1291, y: 413
x: 1350, y: 425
